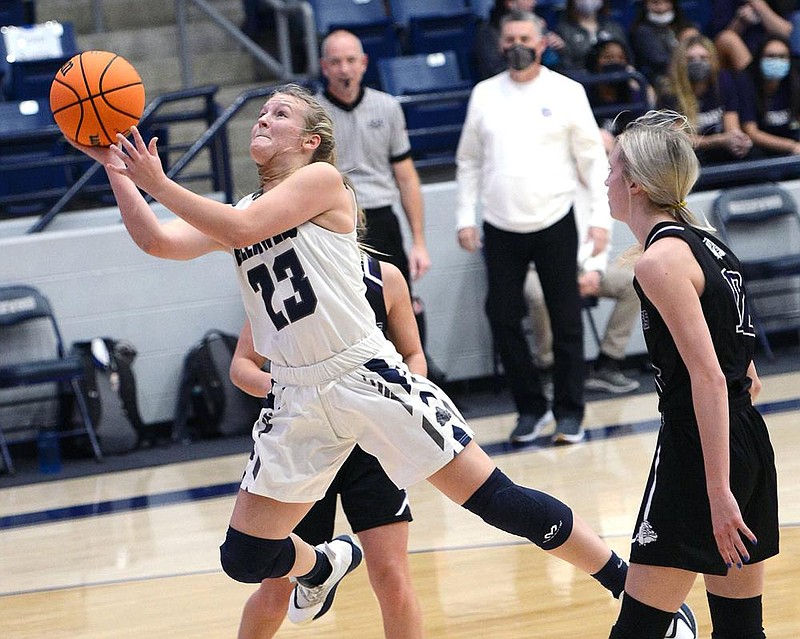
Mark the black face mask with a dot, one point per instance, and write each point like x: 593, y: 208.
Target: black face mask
x: 611, y: 67
x: 698, y: 70
x: 519, y: 57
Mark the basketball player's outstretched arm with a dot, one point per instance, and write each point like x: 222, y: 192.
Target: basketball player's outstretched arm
x: 314, y: 191
x: 175, y: 239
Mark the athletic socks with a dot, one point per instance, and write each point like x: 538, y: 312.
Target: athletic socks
x: 640, y: 621
x: 612, y: 575
x: 319, y: 573
x: 735, y: 618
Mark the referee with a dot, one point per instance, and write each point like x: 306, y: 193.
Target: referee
x: 373, y: 150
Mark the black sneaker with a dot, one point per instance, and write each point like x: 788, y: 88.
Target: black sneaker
x: 530, y: 426
x: 568, y: 431
x: 611, y: 380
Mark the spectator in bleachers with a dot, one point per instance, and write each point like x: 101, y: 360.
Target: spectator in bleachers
x: 584, y: 23
x: 709, y: 97
x: 607, y: 56
x: 489, y: 58
x: 656, y: 30
x: 770, y: 107
x: 528, y: 139
x: 739, y: 27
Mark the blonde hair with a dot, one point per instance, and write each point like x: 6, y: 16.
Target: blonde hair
x: 656, y: 153
x: 679, y: 84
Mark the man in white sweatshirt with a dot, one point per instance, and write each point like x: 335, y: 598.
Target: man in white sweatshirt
x: 528, y: 140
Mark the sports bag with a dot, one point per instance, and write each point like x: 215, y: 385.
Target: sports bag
x: 109, y: 386
x: 208, y: 404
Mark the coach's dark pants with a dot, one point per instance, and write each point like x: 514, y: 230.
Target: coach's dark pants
x: 554, y: 252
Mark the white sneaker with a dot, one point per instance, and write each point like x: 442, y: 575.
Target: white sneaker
x: 311, y: 602
x: 683, y: 624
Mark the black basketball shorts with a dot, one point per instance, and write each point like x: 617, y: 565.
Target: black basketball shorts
x: 369, y: 500
x: 674, y: 525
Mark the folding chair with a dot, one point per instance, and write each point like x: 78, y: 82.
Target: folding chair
x: 761, y: 224
x: 36, y: 373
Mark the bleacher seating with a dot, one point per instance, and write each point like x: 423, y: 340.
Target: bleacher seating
x: 30, y: 141
x: 31, y: 55
x: 434, y: 97
x: 368, y: 20
x: 481, y: 8
x: 13, y: 12
x: 429, y: 26
x: 794, y: 39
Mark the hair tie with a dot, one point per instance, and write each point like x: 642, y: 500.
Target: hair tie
x: 680, y: 205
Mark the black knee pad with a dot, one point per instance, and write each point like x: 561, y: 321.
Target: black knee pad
x: 640, y: 621
x: 735, y: 618
x: 522, y: 511
x: 252, y: 559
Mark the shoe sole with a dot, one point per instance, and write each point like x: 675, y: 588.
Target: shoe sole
x: 540, y: 426
x: 564, y: 438
x: 599, y: 385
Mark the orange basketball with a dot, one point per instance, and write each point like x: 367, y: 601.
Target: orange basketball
x: 94, y: 96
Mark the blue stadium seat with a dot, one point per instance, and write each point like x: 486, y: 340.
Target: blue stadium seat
x: 550, y: 10
x: 794, y: 38
x: 421, y: 73
x: 368, y: 20
x: 434, y: 97
x: 405, y: 10
x: 30, y: 140
x: 481, y: 8
x: 12, y: 12
x: 330, y: 14
x: 438, y: 25
x: 624, y: 11
x: 697, y: 11
x: 31, y: 56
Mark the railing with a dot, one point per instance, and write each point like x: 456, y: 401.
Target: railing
x: 157, y: 117
x: 283, y: 9
x: 214, y: 139
x: 281, y: 68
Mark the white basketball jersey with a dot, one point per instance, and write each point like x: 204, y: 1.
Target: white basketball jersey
x: 303, y: 291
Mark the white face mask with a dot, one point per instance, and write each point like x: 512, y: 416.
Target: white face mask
x: 660, y: 19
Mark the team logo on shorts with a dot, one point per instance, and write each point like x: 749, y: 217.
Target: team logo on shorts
x: 443, y: 415
x: 645, y: 535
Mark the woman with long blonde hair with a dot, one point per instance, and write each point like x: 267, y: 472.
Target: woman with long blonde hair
x: 710, y: 505
x: 709, y: 97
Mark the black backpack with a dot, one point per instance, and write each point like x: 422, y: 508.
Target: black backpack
x: 209, y: 405
x: 109, y: 387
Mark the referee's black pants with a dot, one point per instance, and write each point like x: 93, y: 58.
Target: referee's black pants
x: 554, y: 251
x: 383, y: 234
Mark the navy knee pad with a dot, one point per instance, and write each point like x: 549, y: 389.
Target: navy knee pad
x: 252, y: 559
x: 522, y: 511
x: 735, y: 618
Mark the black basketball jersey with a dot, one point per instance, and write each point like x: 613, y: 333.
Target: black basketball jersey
x: 373, y: 278
x: 726, y: 312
